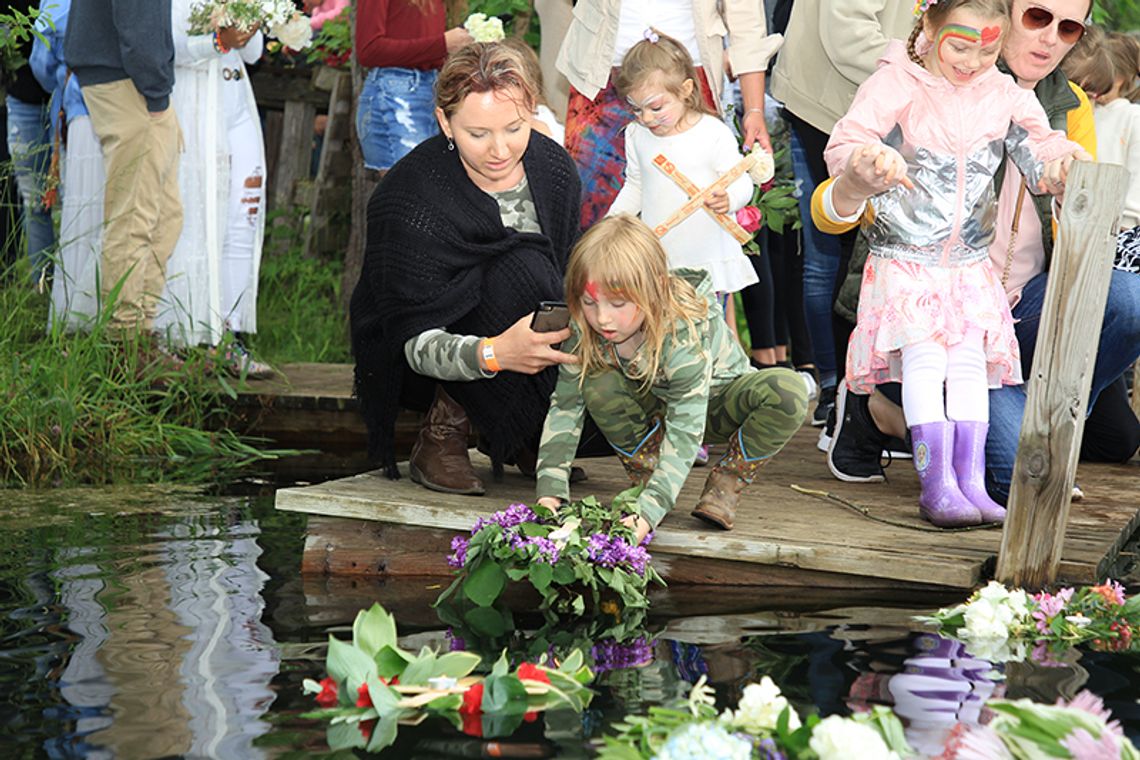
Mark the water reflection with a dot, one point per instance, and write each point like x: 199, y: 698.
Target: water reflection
x: 140, y: 631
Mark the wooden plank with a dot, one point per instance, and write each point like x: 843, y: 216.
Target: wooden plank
x: 1061, y: 377
x: 294, y: 154
x: 808, y: 540
x: 332, y: 186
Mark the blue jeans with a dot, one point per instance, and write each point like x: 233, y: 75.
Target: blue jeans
x: 1118, y: 348
x: 29, y: 142
x: 821, y: 267
x: 396, y: 112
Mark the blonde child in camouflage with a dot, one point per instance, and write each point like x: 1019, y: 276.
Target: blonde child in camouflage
x: 659, y: 372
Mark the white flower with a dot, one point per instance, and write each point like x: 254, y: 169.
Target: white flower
x: 997, y: 649
x: 760, y: 707
x: 296, y: 33
x: 484, y: 29
x: 838, y: 738
x: 987, y: 620
x: 1078, y: 620
x: 764, y: 168
x: 704, y: 741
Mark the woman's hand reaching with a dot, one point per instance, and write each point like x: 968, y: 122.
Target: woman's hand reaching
x: 521, y: 349
x: 638, y: 524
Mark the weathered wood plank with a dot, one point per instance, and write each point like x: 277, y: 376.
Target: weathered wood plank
x: 1060, y: 380
x: 295, y: 153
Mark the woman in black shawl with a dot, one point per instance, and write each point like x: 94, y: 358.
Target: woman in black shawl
x: 466, y: 235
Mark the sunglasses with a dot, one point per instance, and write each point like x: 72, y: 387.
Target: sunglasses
x: 1068, y: 30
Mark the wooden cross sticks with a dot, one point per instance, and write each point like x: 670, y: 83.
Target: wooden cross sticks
x: 697, y: 196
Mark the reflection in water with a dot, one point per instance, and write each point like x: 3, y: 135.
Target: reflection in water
x: 165, y: 651
x: 147, y: 635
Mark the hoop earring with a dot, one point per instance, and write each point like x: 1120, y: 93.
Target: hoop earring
x: 450, y: 144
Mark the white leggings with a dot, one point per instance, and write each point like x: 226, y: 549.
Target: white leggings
x: 247, y: 204
x: 961, y: 368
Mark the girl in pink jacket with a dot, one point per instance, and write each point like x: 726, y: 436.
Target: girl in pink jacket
x: 926, y: 134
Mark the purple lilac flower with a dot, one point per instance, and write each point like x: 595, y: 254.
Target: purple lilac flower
x: 458, y: 556
x: 512, y: 516
x: 769, y: 750
x: 455, y: 643
x: 611, y: 551
x: 609, y: 654
x: 547, y: 550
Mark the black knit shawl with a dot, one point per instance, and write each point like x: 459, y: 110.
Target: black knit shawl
x: 437, y: 255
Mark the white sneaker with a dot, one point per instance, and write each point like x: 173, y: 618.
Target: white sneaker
x: 812, y: 385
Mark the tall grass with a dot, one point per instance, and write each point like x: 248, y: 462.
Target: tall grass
x: 299, y: 313
x: 82, y: 408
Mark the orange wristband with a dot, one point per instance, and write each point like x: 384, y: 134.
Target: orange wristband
x: 487, y: 349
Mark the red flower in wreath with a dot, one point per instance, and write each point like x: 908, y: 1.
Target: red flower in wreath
x: 328, y: 696
x: 529, y: 672
x: 363, y: 698
x: 472, y: 700
x: 749, y: 218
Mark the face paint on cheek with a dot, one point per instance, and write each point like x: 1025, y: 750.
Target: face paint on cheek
x: 956, y: 31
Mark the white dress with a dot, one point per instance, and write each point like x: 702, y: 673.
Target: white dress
x: 1118, y: 142
x: 210, y: 98
x: 702, y: 153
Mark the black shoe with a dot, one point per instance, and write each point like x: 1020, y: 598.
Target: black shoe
x: 857, y: 445
x: 826, y: 402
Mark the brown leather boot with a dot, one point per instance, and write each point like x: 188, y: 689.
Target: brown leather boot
x: 728, y: 478
x: 640, y: 464
x: 439, y: 458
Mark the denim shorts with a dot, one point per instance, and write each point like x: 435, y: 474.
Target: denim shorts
x: 396, y: 112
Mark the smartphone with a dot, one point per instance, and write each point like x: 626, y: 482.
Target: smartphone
x: 551, y: 316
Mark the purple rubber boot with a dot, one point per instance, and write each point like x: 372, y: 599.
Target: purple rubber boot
x: 942, y: 503
x: 970, y: 467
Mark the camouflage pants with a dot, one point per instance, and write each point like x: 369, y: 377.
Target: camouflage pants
x: 766, y: 407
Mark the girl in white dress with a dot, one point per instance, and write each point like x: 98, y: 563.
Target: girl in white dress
x: 658, y: 79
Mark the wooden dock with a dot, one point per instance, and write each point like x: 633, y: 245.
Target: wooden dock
x: 797, y: 526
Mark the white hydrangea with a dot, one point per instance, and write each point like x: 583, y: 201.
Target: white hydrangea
x: 704, y: 741
x: 839, y: 738
x: 484, y: 29
x: 759, y: 709
x: 994, y: 612
x: 296, y: 33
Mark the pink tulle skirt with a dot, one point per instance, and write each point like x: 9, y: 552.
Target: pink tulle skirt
x: 902, y: 303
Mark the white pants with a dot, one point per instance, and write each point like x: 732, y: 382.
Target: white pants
x: 75, y: 289
x: 961, y: 368
x: 246, y: 206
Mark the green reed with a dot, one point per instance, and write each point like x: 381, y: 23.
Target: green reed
x: 82, y: 408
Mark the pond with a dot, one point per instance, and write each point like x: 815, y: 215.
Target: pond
x: 146, y: 623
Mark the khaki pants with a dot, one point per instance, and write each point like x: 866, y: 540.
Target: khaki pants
x: 142, y: 211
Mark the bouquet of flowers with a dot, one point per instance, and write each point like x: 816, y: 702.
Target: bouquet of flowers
x: 279, y: 19
x: 999, y: 625
x: 1021, y: 728
x: 373, y: 686
x: 567, y: 554
x: 763, y: 726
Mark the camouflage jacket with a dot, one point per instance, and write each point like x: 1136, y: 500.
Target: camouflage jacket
x: 692, y: 367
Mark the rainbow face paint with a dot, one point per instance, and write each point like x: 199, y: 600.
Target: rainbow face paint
x: 591, y: 289
x: 967, y: 34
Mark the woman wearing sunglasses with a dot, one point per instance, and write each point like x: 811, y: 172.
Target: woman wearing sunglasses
x: 1039, y: 36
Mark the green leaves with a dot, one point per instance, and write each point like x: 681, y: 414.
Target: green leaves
x: 485, y: 583
x: 349, y: 665
x: 373, y: 630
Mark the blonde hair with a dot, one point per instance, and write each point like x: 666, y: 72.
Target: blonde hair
x: 1125, y: 52
x: 482, y: 67
x: 1090, y: 63
x: 531, y: 63
x: 623, y: 256
x: 939, y: 12
x: 667, y: 57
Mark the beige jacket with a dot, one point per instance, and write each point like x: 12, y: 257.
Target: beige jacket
x: 832, y: 46
x: 586, y: 57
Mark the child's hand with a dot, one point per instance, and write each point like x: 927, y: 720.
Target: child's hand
x: 878, y: 168
x: 718, y: 202
x: 638, y: 524
x: 550, y: 502
x: 1057, y: 173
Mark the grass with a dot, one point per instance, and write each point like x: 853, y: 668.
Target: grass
x: 298, y: 306
x: 83, y: 408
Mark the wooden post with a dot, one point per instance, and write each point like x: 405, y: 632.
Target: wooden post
x: 1136, y: 388
x: 1058, y: 386
x: 296, y: 152
x: 332, y: 188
